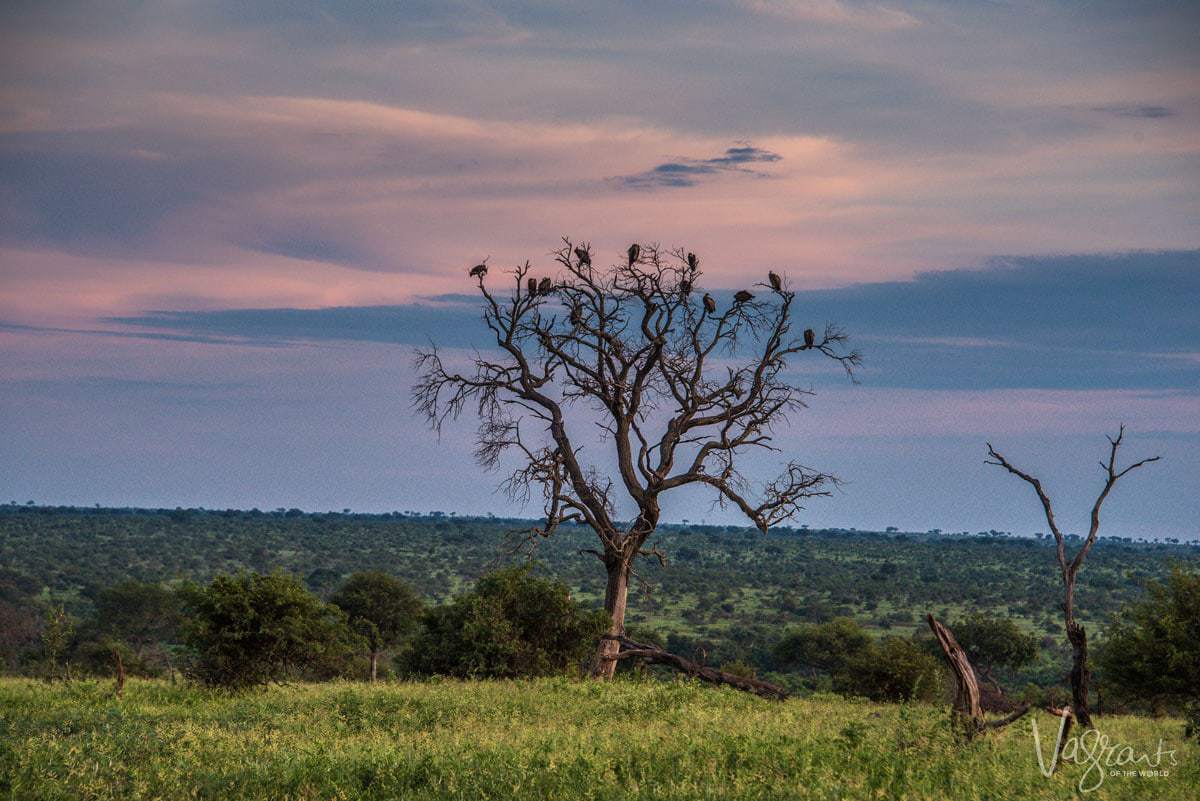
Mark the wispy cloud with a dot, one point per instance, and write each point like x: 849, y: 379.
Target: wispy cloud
x: 865, y: 16
x: 1148, y: 112
x: 689, y: 172
x: 1077, y: 322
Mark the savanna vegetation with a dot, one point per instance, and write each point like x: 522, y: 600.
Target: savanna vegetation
x: 78, y: 580
x: 531, y: 739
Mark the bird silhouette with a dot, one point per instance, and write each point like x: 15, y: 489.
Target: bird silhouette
x: 635, y: 250
x: 585, y: 258
x: 478, y: 271
x: 576, y: 315
x: 685, y: 286
x: 692, y: 261
x: 710, y: 305
x: 776, y: 281
x: 742, y: 296
x: 531, y: 286
x: 545, y: 286
x: 810, y: 337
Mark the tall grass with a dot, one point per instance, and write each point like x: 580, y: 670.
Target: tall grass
x: 547, y: 739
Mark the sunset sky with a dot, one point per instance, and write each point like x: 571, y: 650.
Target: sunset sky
x: 224, y: 225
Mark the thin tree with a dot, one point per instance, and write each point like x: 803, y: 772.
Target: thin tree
x: 382, y: 609
x: 1069, y: 568
x: 679, y: 389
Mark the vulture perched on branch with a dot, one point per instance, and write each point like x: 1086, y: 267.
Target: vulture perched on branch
x: 685, y: 286
x: 584, y: 257
x: 710, y: 305
x: 775, y: 280
x: 478, y: 271
x: 531, y: 287
x: 810, y: 337
x: 692, y: 261
x: 742, y: 296
x: 545, y: 286
x: 635, y: 250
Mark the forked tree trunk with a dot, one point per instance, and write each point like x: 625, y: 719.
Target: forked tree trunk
x: 374, y: 665
x: 616, y: 598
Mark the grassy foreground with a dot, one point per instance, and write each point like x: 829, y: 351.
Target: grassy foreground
x: 549, y: 739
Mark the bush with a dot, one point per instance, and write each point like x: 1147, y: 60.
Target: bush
x: 252, y: 629
x: 1152, y: 652
x: 822, y: 647
x: 893, y: 670
x: 513, y: 624
x: 739, y: 668
x: 994, y: 642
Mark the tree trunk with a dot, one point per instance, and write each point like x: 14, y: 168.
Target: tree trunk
x: 1081, y: 675
x: 616, y: 594
x: 374, y: 665
x: 966, y: 710
x: 120, y: 687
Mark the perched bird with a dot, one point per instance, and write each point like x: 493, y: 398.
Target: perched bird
x: 776, y: 281
x: 810, y: 337
x: 585, y: 258
x: 710, y: 305
x: 531, y: 286
x: 545, y: 286
x: 576, y: 315
x: 635, y: 250
x: 693, y: 262
x: 742, y: 296
x: 478, y: 271
x: 685, y: 286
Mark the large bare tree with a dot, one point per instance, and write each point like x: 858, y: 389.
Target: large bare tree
x: 679, y: 389
x: 1069, y: 567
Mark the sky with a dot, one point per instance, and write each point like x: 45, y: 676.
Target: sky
x: 225, y: 226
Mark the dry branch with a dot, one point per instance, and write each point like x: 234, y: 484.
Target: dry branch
x: 657, y: 656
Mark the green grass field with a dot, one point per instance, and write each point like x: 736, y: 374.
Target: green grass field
x: 548, y: 739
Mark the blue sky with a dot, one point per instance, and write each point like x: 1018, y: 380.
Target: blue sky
x: 224, y: 226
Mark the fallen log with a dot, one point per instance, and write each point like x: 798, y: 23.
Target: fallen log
x: 657, y: 656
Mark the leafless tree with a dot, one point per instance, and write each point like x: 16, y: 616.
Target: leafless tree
x: 1069, y: 568
x: 680, y: 391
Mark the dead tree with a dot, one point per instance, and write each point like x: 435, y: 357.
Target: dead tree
x: 1069, y: 568
x: 967, y: 710
x: 676, y: 390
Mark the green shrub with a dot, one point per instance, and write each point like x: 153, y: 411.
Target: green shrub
x: 822, y: 647
x: 892, y: 670
x: 252, y: 629
x: 513, y: 624
x: 992, y: 642
x: 1152, y: 651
